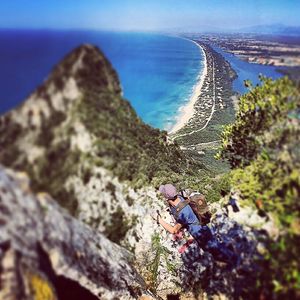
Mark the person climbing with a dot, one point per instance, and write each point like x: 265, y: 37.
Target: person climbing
x: 186, y: 218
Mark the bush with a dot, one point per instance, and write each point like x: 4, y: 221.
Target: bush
x: 262, y: 146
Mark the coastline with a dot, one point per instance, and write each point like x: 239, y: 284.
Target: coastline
x: 187, y: 111
x: 200, y: 136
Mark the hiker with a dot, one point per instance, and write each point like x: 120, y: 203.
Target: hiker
x: 186, y: 218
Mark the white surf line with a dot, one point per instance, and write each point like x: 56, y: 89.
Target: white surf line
x: 212, y: 110
x: 188, y: 110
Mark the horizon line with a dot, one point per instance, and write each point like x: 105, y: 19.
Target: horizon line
x: 243, y: 30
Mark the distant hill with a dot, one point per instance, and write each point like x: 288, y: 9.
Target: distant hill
x: 272, y: 29
x: 277, y: 29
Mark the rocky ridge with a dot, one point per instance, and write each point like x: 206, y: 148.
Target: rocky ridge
x: 74, y: 135
x: 44, y: 249
x: 80, y: 141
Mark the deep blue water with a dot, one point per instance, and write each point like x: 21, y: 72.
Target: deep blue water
x: 247, y: 71
x: 157, y: 72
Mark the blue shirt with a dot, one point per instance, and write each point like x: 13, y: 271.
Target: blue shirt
x: 202, y: 234
x: 187, y: 218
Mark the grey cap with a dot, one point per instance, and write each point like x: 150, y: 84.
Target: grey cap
x: 168, y: 190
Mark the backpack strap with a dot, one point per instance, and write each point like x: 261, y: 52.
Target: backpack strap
x: 182, y: 193
x: 181, y: 205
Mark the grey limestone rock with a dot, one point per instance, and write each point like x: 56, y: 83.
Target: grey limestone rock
x: 47, y: 254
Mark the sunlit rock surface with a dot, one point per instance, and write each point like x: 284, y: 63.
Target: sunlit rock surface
x: 45, y: 250
x: 193, y: 273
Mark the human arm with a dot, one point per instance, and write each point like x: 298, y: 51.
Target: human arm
x: 172, y: 229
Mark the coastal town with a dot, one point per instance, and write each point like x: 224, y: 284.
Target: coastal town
x: 266, y: 50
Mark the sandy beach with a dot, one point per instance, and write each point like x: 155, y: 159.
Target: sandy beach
x: 186, y: 112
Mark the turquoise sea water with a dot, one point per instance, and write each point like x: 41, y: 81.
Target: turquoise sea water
x: 157, y: 72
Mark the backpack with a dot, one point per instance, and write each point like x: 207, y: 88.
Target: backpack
x: 199, y: 206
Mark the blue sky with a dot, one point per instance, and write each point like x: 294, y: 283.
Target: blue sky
x: 147, y: 14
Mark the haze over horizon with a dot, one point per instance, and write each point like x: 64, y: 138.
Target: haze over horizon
x: 135, y: 15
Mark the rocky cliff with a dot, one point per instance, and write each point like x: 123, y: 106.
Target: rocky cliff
x: 47, y: 254
x: 77, y: 138
x: 82, y: 143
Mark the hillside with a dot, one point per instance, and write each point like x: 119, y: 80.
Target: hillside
x: 76, y: 122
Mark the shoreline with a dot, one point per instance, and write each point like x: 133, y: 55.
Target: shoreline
x: 214, y: 105
x: 186, y: 112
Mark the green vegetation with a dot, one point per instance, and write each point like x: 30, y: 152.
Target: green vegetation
x: 262, y: 146
x: 134, y: 151
x: 9, y: 132
x: 51, y: 172
x: 118, y: 226
x: 159, y: 252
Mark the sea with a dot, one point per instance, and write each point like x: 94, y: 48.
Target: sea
x: 158, y: 73
x: 248, y: 71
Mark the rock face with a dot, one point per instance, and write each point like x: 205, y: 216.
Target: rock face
x: 47, y: 254
x: 172, y: 269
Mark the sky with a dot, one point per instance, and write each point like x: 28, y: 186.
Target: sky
x: 145, y: 15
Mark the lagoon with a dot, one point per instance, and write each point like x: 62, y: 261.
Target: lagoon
x: 247, y: 71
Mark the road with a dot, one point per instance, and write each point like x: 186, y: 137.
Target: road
x: 212, y: 109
